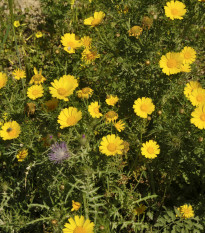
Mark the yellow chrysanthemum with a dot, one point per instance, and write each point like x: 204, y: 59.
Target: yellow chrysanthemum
x: 63, y: 87
x: 70, y: 43
x: 150, y: 149
x: 111, y: 145
x: 171, y: 63
x: 197, y: 97
x: 75, y: 205
x: 189, y: 55
x: 85, y: 93
x: 120, y: 125
x: 185, y: 68
x: 201, y: 0
x: 69, y: 117
x: 79, y: 225
x: 35, y: 91
x: 89, y: 56
x: 135, y: 31
x: 10, y: 130
x: 186, y: 211
x: 175, y: 10
x: 93, y: 109
x: 16, y: 24
x: 22, y: 155
x: 39, y: 34
x: 111, y: 116
x: 3, y: 80
x: 192, y: 85
x: 140, y: 210
x: 18, y: 74
x: 143, y: 106
x: 38, y: 78
x: 198, y: 117
x: 111, y: 100
x: 86, y: 41
x: 97, y: 19
x: 51, y: 104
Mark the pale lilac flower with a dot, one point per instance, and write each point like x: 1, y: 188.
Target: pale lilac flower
x: 59, y: 152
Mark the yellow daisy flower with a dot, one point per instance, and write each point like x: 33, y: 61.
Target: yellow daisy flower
x: 69, y: 117
x: 18, y: 74
x: 143, y: 106
x: 189, y: 55
x: 175, y: 10
x: 79, y: 225
x: 38, y: 77
x: 10, y: 130
x: 16, y: 24
x: 75, y: 205
x: 150, y: 149
x: 186, y: 211
x: 39, y: 34
x: 111, y: 116
x: 89, y: 56
x: 111, y: 145
x: 3, y: 80
x: 192, y: 85
x: 70, y: 43
x: 201, y: 0
x: 63, y: 87
x: 85, y: 93
x: 120, y: 125
x: 135, y: 31
x: 197, y: 97
x: 140, y: 210
x: 35, y: 91
x: 111, y: 100
x: 97, y: 19
x: 93, y: 109
x: 198, y: 117
x: 171, y: 63
x: 185, y: 68
x: 86, y: 41
x: 22, y: 155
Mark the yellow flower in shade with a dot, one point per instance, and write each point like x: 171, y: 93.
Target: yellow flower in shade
x: 192, y: 85
x: 39, y: 34
x: 171, y: 63
x: 126, y: 147
x: 189, y: 55
x: 18, y: 74
x: 70, y: 43
x: 150, y: 149
x: 89, y: 56
x: 111, y: 116
x: 140, y: 209
x: 120, y: 125
x: 111, y: 100
x: 175, y: 10
x: 63, y: 87
x: 185, y: 68
x: 10, y: 130
x: 35, y: 91
x: 75, y: 206
x: 97, y: 19
x: 85, y: 93
x: 111, y: 145
x: 51, y: 105
x: 135, y: 31
x: 86, y: 41
x: 198, y: 117
x: 22, y: 155
x: 69, y: 117
x: 16, y: 24
x: 197, y: 97
x: 3, y: 80
x: 79, y: 225
x: 38, y: 77
x: 201, y: 0
x: 93, y: 109
x: 186, y: 211
x: 143, y: 106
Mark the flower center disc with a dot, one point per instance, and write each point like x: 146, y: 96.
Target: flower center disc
x: 86, y: 90
x: 111, y: 147
x: 71, y: 120
x: 96, y: 110
x: 171, y: 63
x: 150, y: 150
x: 199, y: 98
x: 61, y: 91
x: 35, y: 92
x: 174, y: 11
x: 111, y: 114
x: 70, y: 45
x: 144, y: 107
x: 79, y: 230
x: 37, y: 77
x: 95, y: 22
x: 202, y: 117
